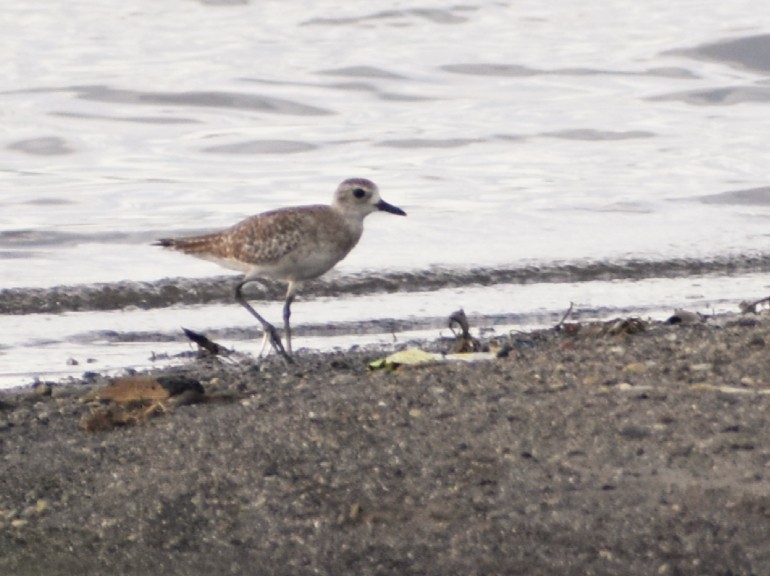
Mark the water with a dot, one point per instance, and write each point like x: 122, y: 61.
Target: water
x: 518, y: 136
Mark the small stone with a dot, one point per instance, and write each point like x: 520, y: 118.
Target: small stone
x: 634, y: 432
x: 63, y: 391
x: 635, y: 368
x: 415, y: 412
x: 705, y: 367
x: 605, y: 554
x: 42, y: 388
x: 748, y: 381
x: 591, y: 380
x: 198, y: 500
x: 72, y: 362
x: 757, y: 341
x: 19, y: 416
x: 685, y: 317
x: 19, y: 523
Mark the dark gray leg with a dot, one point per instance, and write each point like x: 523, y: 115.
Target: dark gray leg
x: 286, y: 316
x: 275, y: 339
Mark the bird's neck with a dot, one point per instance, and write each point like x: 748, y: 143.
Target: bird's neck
x: 354, y: 221
x: 355, y: 224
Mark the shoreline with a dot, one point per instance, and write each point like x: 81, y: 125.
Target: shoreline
x: 596, y: 449
x: 164, y: 292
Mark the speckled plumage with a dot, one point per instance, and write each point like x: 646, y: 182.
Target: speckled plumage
x: 290, y: 244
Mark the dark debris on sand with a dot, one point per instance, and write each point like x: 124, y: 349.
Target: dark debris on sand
x: 582, y: 451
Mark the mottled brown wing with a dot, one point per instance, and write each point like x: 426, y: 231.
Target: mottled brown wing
x: 259, y: 240
x: 266, y: 238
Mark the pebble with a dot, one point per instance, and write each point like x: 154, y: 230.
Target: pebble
x: 634, y: 432
x: 591, y: 380
x: 19, y: 416
x: 38, y: 508
x: 757, y: 341
x: 705, y: 367
x: 605, y: 554
x: 65, y: 391
x: 635, y: 368
x: 42, y: 388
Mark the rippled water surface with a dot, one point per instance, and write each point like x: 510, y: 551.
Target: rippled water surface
x: 517, y: 135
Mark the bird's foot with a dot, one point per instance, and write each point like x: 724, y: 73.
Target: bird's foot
x: 275, y: 341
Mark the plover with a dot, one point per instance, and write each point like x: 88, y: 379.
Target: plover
x: 290, y: 244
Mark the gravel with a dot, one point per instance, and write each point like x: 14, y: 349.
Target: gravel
x: 584, y: 451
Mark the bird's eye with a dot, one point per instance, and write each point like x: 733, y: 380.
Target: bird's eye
x: 359, y: 192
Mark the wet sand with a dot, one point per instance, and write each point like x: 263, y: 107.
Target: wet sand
x: 218, y: 289
x: 588, y: 452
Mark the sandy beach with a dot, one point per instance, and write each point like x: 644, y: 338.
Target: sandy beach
x: 625, y: 448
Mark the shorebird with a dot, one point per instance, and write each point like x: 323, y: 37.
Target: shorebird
x: 290, y: 244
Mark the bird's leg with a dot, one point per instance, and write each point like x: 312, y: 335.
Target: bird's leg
x: 287, y: 315
x: 269, y: 329
x: 263, y: 347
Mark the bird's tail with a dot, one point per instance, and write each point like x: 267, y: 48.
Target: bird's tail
x: 191, y: 245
